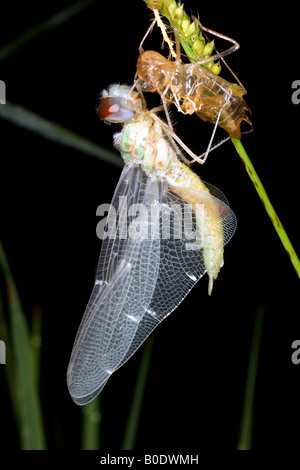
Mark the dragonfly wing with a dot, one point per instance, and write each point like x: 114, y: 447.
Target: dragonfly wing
x: 181, y: 266
x: 140, y: 279
x: 126, y: 279
x: 216, y: 192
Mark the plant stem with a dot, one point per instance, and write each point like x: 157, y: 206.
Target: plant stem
x: 138, y: 395
x: 50, y: 130
x: 267, y: 204
x: 35, y: 31
x: 26, y: 398
x: 91, y: 425
x: 246, y: 426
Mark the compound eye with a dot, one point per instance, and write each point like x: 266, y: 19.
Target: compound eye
x: 115, y: 109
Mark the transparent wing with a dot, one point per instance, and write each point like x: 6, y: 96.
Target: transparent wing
x: 124, y: 286
x: 180, y: 266
x: 216, y: 192
x: 144, y: 273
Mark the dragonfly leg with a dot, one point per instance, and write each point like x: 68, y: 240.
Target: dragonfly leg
x: 228, y: 51
x: 195, y: 158
x: 162, y: 27
x: 141, y: 50
x: 203, y: 158
x: 167, y: 114
x: 136, y: 85
x: 220, y: 55
x: 177, y: 104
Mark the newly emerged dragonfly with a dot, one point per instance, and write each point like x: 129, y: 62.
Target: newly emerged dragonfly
x: 192, y: 88
x: 146, y: 267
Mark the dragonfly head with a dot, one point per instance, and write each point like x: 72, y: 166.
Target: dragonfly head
x: 119, y: 104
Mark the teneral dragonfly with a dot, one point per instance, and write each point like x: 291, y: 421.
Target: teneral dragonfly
x: 145, y: 271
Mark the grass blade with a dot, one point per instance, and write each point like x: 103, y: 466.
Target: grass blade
x: 36, y: 341
x: 27, y: 400
x: 267, y: 204
x: 246, y: 426
x: 52, y: 131
x: 91, y: 425
x: 35, y: 31
x: 9, y: 372
x: 137, y: 400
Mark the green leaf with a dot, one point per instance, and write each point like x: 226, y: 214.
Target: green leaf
x: 52, y: 131
x: 246, y: 426
x: 91, y: 425
x: 26, y: 394
x: 35, y: 31
x: 137, y: 400
x: 267, y: 204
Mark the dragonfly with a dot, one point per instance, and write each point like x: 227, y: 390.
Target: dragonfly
x: 192, y: 87
x: 146, y: 266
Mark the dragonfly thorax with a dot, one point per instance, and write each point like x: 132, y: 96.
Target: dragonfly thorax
x: 143, y: 143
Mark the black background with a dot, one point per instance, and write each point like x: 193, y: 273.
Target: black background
x: 49, y: 195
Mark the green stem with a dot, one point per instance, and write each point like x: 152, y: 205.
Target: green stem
x: 137, y: 400
x: 50, y: 130
x: 35, y: 31
x: 26, y: 398
x: 91, y: 425
x: 246, y: 427
x: 267, y: 204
